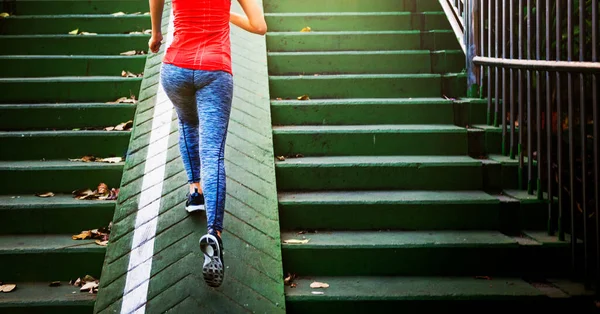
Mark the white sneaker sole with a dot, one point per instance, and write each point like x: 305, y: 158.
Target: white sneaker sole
x: 194, y: 208
x: 212, y: 269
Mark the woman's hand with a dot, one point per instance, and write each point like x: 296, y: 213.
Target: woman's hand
x: 155, y: 42
x: 255, y: 20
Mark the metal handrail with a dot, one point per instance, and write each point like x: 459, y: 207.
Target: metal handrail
x: 522, y: 56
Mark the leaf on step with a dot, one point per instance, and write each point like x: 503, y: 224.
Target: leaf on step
x: 306, y: 29
x: 136, y: 32
x: 295, y: 241
x: 289, y: 279
x: 124, y: 126
x: 102, y: 192
x: 83, y: 235
x: 148, y: 31
x: 89, y: 285
x: 280, y: 158
x: 303, y: 97
x: 124, y: 100
x: 129, y: 74
x: 111, y: 160
x: 76, y: 129
x: 74, y: 32
x: 109, y: 128
x: 449, y: 98
x: 278, y: 98
x: 84, y: 159
x: 54, y: 284
x: 133, y: 53
x: 87, y: 33
x: 47, y: 194
x: 136, y: 13
x: 317, y: 285
x: 76, y: 282
x: 88, y: 278
x: 102, y: 243
x: 7, y: 287
x: 318, y: 292
x: 3, y: 15
x: 118, y: 13
x: 83, y: 194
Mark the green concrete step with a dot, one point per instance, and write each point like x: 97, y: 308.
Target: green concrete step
x: 404, y: 253
x: 40, y: 66
x: 362, y: 111
x: 63, y: 24
x: 379, y: 172
x: 101, y: 44
x: 367, y: 86
x: 48, y: 257
x: 361, y: 41
x: 365, y: 62
x: 62, y: 144
x: 58, y: 176
x: 369, y: 140
x: 67, y: 89
x: 396, y: 210
x: 357, y: 21
x: 38, y: 297
x: 63, y: 116
x: 281, y: 6
x: 62, y: 213
x: 373, y: 294
x: 59, y: 7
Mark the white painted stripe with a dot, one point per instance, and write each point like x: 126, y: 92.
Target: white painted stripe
x: 142, y: 247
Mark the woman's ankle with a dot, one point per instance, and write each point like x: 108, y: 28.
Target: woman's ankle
x: 195, y: 186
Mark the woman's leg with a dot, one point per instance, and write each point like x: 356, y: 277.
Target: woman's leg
x: 178, y: 84
x: 214, y: 96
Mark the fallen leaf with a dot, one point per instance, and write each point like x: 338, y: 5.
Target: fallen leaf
x: 111, y: 160
x: 109, y: 128
x: 294, y: 241
x: 102, y: 243
x: 88, y: 278
x: 318, y: 292
x: 129, y: 53
x: 278, y: 98
x: 293, y: 285
x: 76, y: 129
x: 74, y: 32
x: 89, y: 285
x: 47, y: 194
x: 7, y: 287
x: 84, y: 159
x: 77, y: 282
x: 83, y: 194
x: 124, y: 126
x: 118, y: 13
x: 148, y: 31
x: 280, y: 158
x: 83, y: 235
x: 54, y: 284
x: 4, y: 14
x: 289, y: 279
x: 136, y: 32
x: 316, y: 285
x: 129, y: 74
x: 87, y: 33
x: 102, y: 188
x: 306, y: 29
x: 304, y: 97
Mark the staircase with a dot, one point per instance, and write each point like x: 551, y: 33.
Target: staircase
x: 55, y: 94
x: 381, y: 170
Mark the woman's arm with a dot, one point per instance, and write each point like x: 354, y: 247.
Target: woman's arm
x: 254, y: 21
x: 156, y: 10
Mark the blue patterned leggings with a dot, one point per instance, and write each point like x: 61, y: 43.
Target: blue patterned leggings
x: 202, y: 100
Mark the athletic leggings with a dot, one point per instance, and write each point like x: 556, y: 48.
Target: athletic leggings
x: 202, y: 100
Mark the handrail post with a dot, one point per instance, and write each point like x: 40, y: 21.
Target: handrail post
x: 470, y: 39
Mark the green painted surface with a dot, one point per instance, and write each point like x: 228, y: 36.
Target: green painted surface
x: 60, y: 7
x: 354, y: 6
x: 63, y: 116
x: 63, y: 144
x: 63, y: 24
x: 66, y: 44
x: 40, y: 66
x: 36, y: 297
x: 26, y: 214
x: 369, y: 140
x: 356, y: 21
x: 254, y: 276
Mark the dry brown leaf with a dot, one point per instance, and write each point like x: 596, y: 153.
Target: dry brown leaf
x: 87, y: 33
x: 306, y: 29
x: 84, y: 159
x: 54, y: 284
x: 303, y: 97
x: 316, y: 285
x: 74, y: 32
x: 111, y: 160
x: 280, y: 158
x: 129, y: 53
x: 318, y: 292
x: 102, y: 243
x: 102, y: 188
x: 118, y: 13
x: 124, y: 126
x: 109, y: 128
x: 278, y: 98
x: 294, y: 241
x: 89, y: 285
x: 4, y: 14
x: 88, y: 278
x: 293, y: 285
x: 7, y: 287
x: 76, y: 282
x: 83, y: 235
x: 129, y: 74
x: 47, y: 194
x: 83, y: 194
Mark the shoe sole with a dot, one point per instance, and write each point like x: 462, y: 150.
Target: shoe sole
x: 194, y: 208
x: 212, y: 270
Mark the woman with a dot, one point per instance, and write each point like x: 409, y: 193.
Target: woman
x: 196, y: 76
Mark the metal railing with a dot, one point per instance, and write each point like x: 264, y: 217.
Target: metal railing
x: 536, y: 61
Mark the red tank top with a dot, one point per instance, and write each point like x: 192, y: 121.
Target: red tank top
x: 201, y: 39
